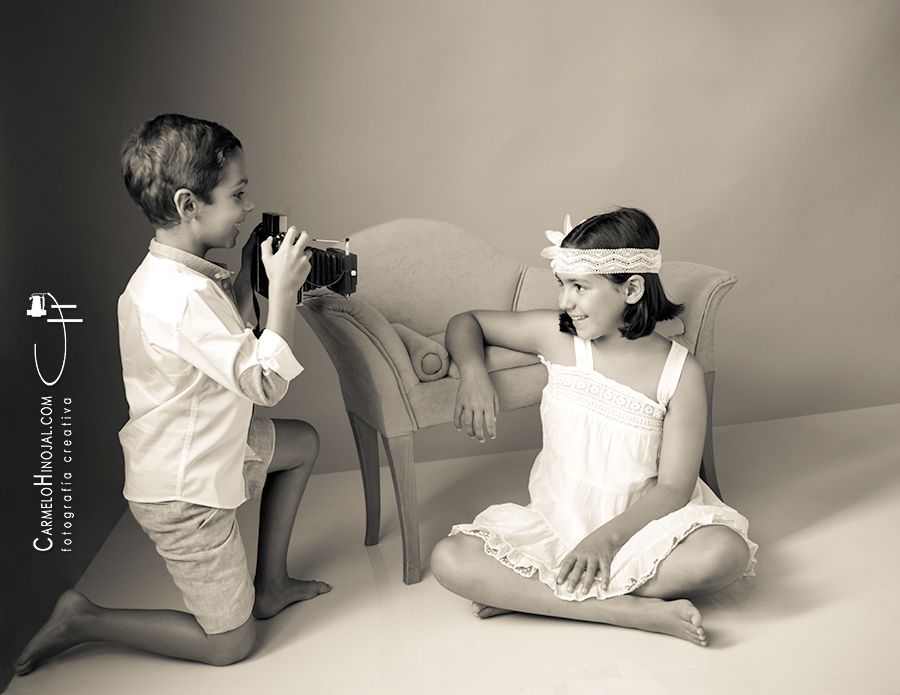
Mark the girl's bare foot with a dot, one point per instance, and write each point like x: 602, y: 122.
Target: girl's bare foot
x: 273, y: 599
x: 677, y: 618
x: 59, y: 633
x: 482, y: 611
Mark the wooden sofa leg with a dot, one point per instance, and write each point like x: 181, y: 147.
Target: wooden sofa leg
x: 400, y: 457
x: 366, y: 438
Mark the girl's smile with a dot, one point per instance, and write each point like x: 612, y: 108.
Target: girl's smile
x: 594, y: 304
x: 577, y: 319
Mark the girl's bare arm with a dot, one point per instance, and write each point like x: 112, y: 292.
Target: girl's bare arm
x: 467, y: 334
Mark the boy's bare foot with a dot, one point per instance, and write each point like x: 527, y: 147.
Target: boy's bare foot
x: 482, y: 611
x: 274, y: 599
x: 58, y: 633
x: 678, y: 618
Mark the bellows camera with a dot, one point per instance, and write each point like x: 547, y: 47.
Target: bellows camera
x: 333, y: 268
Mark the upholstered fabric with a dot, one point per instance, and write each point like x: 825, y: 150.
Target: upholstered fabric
x: 430, y: 359
x: 421, y: 273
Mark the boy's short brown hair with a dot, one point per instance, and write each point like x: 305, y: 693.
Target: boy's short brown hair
x: 170, y: 152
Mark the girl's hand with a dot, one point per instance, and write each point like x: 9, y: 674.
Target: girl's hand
x: 590, y: 560
x: 476, y: 407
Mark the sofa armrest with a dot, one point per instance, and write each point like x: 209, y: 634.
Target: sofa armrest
x: 430, y: 359
x: 372, y: 362
x: 706, y: 287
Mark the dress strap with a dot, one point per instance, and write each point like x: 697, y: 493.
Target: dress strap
x: 584, y: 355
x: 671, y: 373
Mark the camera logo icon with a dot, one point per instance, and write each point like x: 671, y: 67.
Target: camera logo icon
x: 37, y: 308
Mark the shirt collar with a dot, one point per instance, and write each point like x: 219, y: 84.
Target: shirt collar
x: 214, y: 271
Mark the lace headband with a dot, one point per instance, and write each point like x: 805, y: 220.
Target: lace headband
x: 598, y: 261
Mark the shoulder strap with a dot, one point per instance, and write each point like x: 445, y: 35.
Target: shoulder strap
x: 584, y: 356
x: 671, y: 373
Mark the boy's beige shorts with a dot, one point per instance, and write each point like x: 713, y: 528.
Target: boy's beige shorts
x: 202, y: 546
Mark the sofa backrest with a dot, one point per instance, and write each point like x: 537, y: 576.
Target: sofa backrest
x: 420, y: 273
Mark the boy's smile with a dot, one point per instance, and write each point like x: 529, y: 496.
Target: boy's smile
x: 216, y: 222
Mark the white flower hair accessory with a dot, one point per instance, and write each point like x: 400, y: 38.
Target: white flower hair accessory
x: 597, y: 261
x: 556, y: 238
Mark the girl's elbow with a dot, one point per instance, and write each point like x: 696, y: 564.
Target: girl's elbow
x: 463, y: 327
x: 461, y: 320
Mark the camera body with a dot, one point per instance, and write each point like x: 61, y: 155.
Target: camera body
x: 333, y: 268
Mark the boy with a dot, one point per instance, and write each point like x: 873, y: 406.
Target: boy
x: 193, y: 369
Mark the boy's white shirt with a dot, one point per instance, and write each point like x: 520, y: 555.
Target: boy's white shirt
x: 192, y: 370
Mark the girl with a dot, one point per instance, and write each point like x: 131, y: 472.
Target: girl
x: 620, y: 528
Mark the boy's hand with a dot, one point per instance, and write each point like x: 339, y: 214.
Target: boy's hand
x: 289, y: 267
x: 476, y: 408
x: 591, y: 559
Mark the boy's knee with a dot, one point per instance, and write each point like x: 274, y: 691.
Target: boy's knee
x: 234, y: 646
x: 296, y: 444
x: 313, y: 435
x: 308, y: 445
x: 305, y: 435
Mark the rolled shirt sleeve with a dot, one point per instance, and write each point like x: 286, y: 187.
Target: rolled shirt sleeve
x: 267, y: 382
x: 210, y: 336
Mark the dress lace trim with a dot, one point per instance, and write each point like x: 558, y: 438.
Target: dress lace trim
x: 498, y: 553
x: 606, y: 397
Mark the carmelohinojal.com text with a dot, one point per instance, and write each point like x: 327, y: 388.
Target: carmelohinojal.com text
x: 54, y: 480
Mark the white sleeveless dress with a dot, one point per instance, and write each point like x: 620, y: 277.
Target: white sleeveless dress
x: 600, y: 454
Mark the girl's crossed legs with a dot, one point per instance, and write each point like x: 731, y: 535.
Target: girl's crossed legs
x: 709, y: 559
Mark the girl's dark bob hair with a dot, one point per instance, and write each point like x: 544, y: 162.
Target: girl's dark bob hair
x: 625, y: 228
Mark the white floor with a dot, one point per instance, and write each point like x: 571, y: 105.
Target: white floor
x: 823, y: 497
